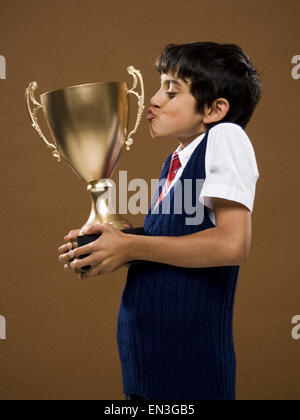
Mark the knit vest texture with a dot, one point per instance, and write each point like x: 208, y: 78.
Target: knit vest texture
x: 174, y: 330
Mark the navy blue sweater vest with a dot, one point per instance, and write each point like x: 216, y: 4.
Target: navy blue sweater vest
x: 174, y: 329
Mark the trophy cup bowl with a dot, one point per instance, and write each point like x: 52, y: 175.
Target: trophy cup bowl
x: 89, y: 125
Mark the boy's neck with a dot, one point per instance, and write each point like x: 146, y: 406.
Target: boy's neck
x: 185, y: 142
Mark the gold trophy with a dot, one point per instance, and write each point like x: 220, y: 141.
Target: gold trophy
x: 88, y: 124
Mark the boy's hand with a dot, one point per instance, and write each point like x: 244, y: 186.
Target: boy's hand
x: 64, y: 250
x: 109, y: 252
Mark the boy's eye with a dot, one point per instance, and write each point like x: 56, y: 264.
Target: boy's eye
x: 171, y: 94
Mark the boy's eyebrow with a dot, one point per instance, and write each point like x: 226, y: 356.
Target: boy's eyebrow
x: 173, y: 81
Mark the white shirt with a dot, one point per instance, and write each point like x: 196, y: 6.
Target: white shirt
x: 230, y: 165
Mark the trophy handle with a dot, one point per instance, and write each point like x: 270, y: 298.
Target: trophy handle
x: 29, y: 95
x: 136, y: 74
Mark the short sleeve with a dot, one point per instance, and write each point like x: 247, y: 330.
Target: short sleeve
x: 231, y: 167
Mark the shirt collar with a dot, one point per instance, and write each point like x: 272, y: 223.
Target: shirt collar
x: 185, y: 154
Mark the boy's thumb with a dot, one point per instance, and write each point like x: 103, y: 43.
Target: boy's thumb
x: 72, y: 235
x: 89, y: 230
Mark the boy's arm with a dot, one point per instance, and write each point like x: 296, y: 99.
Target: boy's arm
x: 226, y: 244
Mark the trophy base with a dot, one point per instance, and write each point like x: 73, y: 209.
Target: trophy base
x: 86, y: 239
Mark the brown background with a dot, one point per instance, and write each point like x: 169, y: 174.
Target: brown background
x: 60, y: 331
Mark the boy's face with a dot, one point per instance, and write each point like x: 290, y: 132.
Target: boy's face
x: 174, y: 111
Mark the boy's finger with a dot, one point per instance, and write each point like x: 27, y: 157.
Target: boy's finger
x: 79, y: 263
x: 67, y: 257
x: 65, y: 248
x: 68, y: 267
x: 83, y: 250
x: 72, y: 235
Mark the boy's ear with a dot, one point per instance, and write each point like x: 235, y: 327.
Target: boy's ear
x: 216, y: 112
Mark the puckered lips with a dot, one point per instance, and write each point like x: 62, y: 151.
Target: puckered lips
x: 150, y: 114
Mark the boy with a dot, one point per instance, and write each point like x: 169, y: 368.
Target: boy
x: 175, y: 321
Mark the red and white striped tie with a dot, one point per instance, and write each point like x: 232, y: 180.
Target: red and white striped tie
x: 174, y: 166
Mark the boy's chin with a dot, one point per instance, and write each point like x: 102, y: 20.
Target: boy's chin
x: 155, y: 134
x: 158, y: 136
x: 161, y: 138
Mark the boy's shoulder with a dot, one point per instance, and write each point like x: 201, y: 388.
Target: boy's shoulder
x: 228, y: 126
x: 229, y: 142
x: 229, y: 132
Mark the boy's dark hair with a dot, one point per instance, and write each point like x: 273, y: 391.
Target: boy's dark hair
x: 216, y: 70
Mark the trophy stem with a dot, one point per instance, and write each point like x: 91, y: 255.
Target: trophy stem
x: 100, y: 211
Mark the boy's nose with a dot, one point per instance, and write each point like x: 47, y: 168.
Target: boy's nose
x: 153, y: 100
x: 156, y: 101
